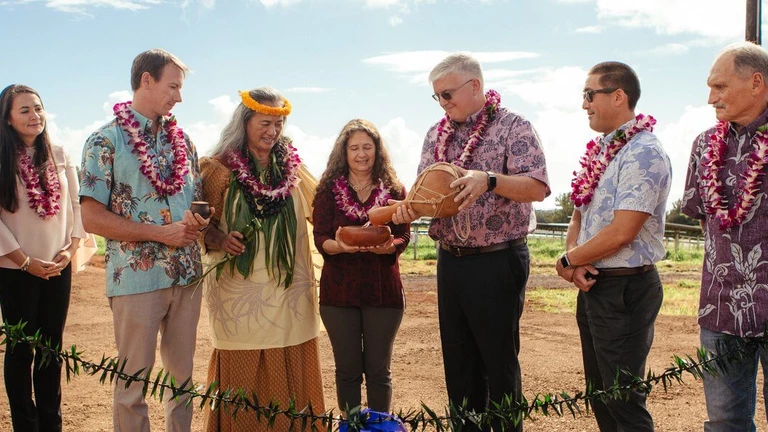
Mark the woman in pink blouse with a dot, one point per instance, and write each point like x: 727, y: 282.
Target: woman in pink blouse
x: 40, y: 230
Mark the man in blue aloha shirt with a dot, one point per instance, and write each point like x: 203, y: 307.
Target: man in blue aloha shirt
x: 614, y: 239
x: 140, y: 176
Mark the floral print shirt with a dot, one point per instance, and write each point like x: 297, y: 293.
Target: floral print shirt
x: 510, y: 146
x: 734, y: 277
x: 110, y: 175
x: 637, y: 179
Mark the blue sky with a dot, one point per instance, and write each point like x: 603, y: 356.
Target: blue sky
x: 338, y: 60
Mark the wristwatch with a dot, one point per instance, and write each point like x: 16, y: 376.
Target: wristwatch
x: 491, y: 181
x: 564, y: 260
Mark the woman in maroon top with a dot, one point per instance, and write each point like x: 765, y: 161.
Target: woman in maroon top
x: 361, y: 294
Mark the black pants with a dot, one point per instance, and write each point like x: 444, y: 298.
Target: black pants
x: 43, y: 305
x: 480, y: 300
x: 362, y: 339
x: 616, y: 319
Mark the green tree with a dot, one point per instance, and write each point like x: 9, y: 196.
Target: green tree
x: 565, y: 208
x: 675, y: 215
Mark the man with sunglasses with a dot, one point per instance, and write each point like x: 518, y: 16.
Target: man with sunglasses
x: 483, y: 260
x: 615, y: 237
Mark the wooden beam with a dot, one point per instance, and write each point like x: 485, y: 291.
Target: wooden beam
x: 753, y: 25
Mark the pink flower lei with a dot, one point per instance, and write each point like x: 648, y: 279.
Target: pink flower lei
x: 446, y: 130
x: 44, y: 202
x: 594, y: 163
x: 353, y: 209
x: 147, y: 157
x: 290, y: 178
x: 712, y: 161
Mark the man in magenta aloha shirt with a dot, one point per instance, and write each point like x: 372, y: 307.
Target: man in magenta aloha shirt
x: 483, y: 261
x: 733, y: 306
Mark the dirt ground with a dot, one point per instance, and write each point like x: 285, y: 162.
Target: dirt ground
x: 550, y: 358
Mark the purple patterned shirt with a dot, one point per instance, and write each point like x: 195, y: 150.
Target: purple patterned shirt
x: 734, y: 282
x: 510, y: 146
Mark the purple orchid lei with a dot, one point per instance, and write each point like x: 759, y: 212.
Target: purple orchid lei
x: 239, y: 165
x: 445, y: 131
x: 749, y: 181
x: 352, y: 209
x: 593, y: 163
x: 44, y: 202
x: 147, y: 158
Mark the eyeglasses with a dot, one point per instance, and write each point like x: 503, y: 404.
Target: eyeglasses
x: 588, y: 94
x: 448, y: 94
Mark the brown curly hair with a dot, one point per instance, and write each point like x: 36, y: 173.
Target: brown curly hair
x: 337, y: 161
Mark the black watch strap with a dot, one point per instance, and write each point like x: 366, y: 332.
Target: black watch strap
x: 491, y: 181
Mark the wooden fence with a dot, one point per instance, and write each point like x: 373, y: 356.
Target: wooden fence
x: 676, y: 236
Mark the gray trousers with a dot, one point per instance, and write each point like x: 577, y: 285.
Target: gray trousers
x: 616, y: 319
x: 362, y: 340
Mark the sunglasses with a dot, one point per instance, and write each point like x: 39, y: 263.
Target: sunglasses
x: 589, y: 94
x: 448, y: 94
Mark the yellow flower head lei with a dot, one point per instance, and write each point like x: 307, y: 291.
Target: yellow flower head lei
x: 265, y: 109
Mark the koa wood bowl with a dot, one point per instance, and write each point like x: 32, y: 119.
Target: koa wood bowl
x: 364, y: 236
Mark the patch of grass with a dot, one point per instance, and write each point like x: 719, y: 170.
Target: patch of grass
x: 101, y: 244
x: 426, y: 250
x: 685, y: 255
x: 680, y: 299
x: 418, y: 267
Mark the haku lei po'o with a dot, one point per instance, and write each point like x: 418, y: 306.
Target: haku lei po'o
x: 354, y: 210
x: 594, y: 162
x: 147, y: 158
x: 712, y: 162
x: 45, y: 202
x: 446, y: 130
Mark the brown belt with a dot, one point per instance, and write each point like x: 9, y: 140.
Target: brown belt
x: 624, y: 271
x: 468, y: 251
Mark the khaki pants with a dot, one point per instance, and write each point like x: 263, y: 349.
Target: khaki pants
x: 137, y: 318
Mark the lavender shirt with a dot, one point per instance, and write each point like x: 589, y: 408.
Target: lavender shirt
x: 510, y: 146
x: 734, y: 279
x: 637, y: 179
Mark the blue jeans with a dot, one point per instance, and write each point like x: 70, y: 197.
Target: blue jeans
x: 730, y: 396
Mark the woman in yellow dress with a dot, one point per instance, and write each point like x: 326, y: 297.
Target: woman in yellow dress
x: 262, y: 305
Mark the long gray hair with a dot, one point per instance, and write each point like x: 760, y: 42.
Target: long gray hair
x: 234, y: 135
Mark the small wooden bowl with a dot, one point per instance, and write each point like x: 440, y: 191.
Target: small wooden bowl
x: 202, y: 208
x: 365, y: 236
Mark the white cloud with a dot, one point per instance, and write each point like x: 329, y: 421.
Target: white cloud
x: 270, y: 3
x: 712, y: 20
x: 677, y: 138
x: 313, y: 150
x: 395, y: 20
x: 589, y: 29
x: 80, y: 6
x: 564, y: 135
x: 404, y: 148
x: 546, y: 87
x: 669, y: 49
x: 416, y: 65
x: 206, y: 135
x: 308, y: 90
x: 381, y: 3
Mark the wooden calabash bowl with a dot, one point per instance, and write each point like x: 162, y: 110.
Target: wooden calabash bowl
x: 364, y: 236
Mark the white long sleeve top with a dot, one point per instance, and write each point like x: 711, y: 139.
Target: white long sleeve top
x: 39, y: 238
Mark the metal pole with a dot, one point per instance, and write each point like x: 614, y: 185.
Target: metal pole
x: 753, y: 33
